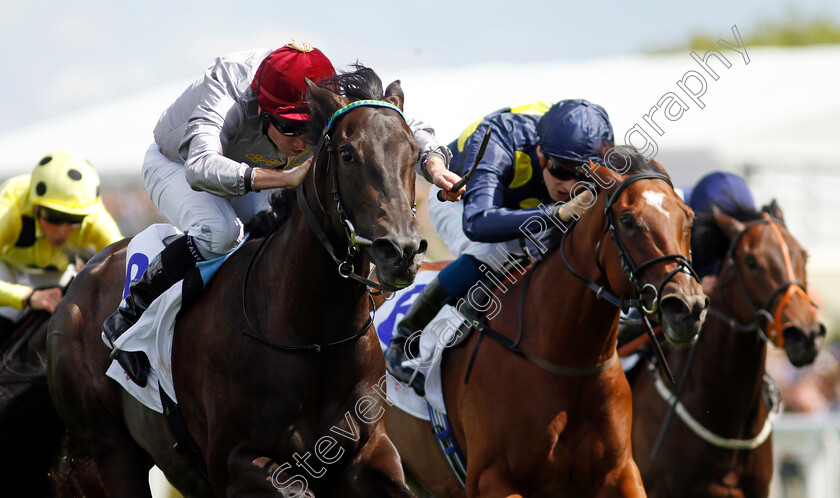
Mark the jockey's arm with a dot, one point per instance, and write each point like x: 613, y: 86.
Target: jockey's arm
x: 433, y: 164
x: 485, y: 217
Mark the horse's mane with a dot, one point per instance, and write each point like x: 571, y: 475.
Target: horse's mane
x: 708, y: 242
x: 360, y: 84
x: 621, y: 155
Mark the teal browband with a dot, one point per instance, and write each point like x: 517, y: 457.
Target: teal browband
x: 361, y: 103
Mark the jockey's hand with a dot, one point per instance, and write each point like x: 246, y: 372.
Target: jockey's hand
x: 45, y: 299
x: 266, y: 178
x: 443, y: 178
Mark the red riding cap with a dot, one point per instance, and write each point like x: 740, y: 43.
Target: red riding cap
x: 279, y: 80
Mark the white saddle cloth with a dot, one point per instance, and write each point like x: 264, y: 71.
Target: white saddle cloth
x: 432, y: 344
x: 153, y: 332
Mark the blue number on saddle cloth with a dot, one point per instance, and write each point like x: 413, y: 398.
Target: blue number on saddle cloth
x: 152, y: 333
x: 401, y: 303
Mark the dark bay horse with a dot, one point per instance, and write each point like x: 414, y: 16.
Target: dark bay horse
x: 30, y: 430
x: 759, y: 298
x: 557, y: 421
x: 275, y: 365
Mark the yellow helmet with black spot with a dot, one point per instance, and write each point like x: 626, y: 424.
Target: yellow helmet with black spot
x: 65, y: 182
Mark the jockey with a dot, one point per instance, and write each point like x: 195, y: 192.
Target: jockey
x: 220, y: 149
x: 46, y: 219
x: 730, y: 193
x: 531, y: 159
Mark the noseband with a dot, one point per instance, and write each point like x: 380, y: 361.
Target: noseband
x: 772, y: 331
x: 630, y: 268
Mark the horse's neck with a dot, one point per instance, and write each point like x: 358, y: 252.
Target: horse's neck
x: 575, y: 323
x: 312, y: 295
x: 727, y: 374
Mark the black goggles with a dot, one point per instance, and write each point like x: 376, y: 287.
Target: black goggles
x: 54, y: 217
x: 288, y: 128
x: 563, y: 169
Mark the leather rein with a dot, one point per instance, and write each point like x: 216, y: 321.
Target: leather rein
x: 601, y: 291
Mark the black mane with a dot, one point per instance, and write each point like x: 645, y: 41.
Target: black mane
x: 360, y: 84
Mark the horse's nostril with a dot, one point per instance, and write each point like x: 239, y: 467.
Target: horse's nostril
x: 402, y: 251
x: 674, y: 307
x: 821, y: 330
x: 385, y: 250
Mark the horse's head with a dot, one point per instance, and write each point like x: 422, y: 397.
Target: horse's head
x: 650, y: 228
x: 768, y: 266
x: 363, y: 173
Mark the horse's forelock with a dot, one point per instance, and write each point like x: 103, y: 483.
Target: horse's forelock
x: 362, y: 83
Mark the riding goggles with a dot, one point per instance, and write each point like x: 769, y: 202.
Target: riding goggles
x: 563, y: 169
x: 54, y: 217
x: 288, y: 128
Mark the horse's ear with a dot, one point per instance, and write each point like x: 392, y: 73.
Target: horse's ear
x: 394, y: 94
x: 730, y: 226
x: 774, y: 210
x: 606, y: 174
x: 325, y: 101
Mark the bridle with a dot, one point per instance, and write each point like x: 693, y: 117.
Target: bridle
x: 625, y: 303
x: 631, y: 270
x: 354, y: 240
x: 772, y: 331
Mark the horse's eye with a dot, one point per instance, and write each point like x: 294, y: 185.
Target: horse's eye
x: 346, y: 156
x: 751, y: 262
x: 627, y: 222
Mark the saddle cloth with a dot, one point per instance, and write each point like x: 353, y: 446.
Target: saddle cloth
x: 153, y: 332
x: 433, y: 342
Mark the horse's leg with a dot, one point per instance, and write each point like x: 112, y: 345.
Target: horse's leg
x: 376, y: 470
x: 253, y: 474
x: 123, y: 466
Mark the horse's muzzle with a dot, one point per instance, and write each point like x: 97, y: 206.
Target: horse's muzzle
x: 683, y: 316
x: 803, y: 343
x: 398, y: 258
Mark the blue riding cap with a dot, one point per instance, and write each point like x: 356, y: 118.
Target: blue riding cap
x: 727, y: 191
x: 575, y: 129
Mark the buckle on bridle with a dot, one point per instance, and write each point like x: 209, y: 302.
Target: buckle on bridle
x: 655, y: 306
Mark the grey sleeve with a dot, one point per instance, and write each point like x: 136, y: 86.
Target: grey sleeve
x: 426, y: 139
x: 214, y: 122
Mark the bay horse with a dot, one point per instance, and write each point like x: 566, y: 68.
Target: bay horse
x: 723, y: 445
x: 548, y: 412
x: 276, y: 360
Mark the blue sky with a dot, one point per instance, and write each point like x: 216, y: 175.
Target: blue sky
x: 61, y: 56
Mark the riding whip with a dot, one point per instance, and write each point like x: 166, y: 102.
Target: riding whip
x: 464, y: 179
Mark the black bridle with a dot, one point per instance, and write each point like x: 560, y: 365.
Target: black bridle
x: 354, y: 240
x: 625, y: 303
x: 631, y: 270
